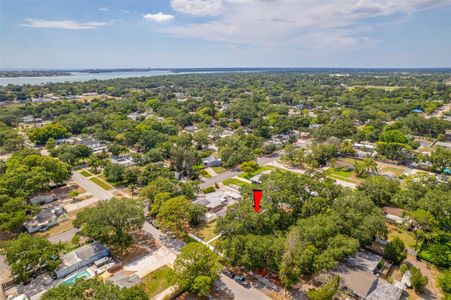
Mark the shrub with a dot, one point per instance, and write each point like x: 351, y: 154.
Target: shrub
x: 418, y: 280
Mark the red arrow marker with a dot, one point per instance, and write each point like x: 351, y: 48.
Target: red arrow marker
x: 257, y: 199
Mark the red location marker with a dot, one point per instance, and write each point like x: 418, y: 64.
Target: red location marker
x: 257, y: 199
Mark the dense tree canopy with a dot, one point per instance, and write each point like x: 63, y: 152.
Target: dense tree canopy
x: 112, y: 221
x: 94, y: 289
x: 28, y: 254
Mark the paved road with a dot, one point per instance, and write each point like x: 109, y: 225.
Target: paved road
x: 91, y: 187
x: 63, y: 237
x: 229, y: 174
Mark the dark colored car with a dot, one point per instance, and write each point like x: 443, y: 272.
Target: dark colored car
x: 241, y: 280
x: 229, y: 273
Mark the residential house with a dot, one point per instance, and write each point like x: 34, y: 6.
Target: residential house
x: 216, y: 203
x: 79, y: 258
x: 123, y: 161
x: 394, y: 214
x: 357, y: 276
x: 48, y: 216
x: 42, y: 199
x: 211, y: 162
x: 257, y: 178
x: 96, y: 146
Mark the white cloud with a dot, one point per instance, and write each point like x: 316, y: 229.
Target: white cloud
x: 125, y: 11
x: 198, y: 7
x: 103, y: 9
x: 307, y: 24
x: 159, y: 17
x: 64, y: 24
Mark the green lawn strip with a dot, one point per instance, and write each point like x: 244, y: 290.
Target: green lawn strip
x: 85, y: 173
x: 204, y: 174
x: 259, y: 170
x: 235, y: 181
x: 158, y: 280
x: 219, y: 170
x: 100, y: 183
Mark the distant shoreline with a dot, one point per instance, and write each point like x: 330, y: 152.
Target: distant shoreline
x: 11, y: 73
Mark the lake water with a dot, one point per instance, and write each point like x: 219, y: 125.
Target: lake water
x: 78, y: 76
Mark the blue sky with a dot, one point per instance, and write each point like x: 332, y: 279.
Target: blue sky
x: 224, y: 33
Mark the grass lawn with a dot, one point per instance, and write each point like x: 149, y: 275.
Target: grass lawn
x: 101, y: 183
x: 219, y: 170
x: 85, y: 173
x: 397, y: 171
x: 158, y: 280
x: 204, y: 174
x: 405, y: 236
x: 57, y: 229
x: 259, y: 170
x: 206, y: 231
x: 347, y: 176
x: 234, y: 181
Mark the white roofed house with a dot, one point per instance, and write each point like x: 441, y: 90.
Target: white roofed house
x: 96, y: 146
x: 216, y: 203
x: 79, y: 258
x: 48, y: 216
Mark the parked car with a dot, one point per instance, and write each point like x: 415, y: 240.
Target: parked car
x: 228, y: 273
x: 241, y: 280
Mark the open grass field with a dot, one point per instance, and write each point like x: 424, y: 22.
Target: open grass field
x: 158, y: 280
x: 101, y: 183
x: 384, y: 87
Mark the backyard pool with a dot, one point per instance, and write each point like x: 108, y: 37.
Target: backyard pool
x: 83, y: 274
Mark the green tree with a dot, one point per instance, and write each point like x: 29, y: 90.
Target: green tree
x: 380, y: 189
x: 366, y: 167
x: 112, y: 221
x: 249, y: 166
x: 444, y: 281
x: 40, y: 135
x: 196, y: 268
x: 114, y: 172
x: 325, y: 292
x: 94, y: 289
x: 418, y: 280
x: 174, y: 214
x: 395, y: 251
x: 27, y: 254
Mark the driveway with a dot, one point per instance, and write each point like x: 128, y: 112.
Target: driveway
x: 63, y: 237
x: 91, y: 187
x: 241, y: 293
x: 151, y: 262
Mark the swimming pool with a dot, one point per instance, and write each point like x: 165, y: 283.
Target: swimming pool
x: 83, y: 274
